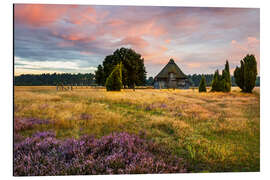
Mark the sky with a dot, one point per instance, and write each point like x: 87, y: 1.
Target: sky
x: 77, y: 38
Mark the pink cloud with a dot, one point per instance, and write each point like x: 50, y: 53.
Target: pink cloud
x: 234, y: 42
x: 253, y: 41
x: 65, y: 44
x: 115, y: 22
x: 241, y: 49
x: 190, y: 24
x: 149, y: 28
x: 86, y: 53
x: 250, y: 45
x: 83, y: 16
x: 135, y: 41
x: 156, y: 55
x: 38, y: 15
x: 194, y: 65
x: 74, y: 37
x: 239, y: 46
x: 167, y: 41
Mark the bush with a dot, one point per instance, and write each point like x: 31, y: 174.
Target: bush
x: 121, y: 153
x: 114, y: 81
x: 245, y: 75
x: 202, y: 86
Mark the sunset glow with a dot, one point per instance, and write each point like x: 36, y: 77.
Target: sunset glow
x: 73, y: 38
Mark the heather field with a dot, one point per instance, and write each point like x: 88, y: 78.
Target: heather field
x: 91, y: 131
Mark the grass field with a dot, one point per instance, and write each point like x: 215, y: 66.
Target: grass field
x: 212, y: 132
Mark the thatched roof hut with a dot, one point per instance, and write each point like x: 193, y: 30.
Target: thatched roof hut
x: 171, y: 76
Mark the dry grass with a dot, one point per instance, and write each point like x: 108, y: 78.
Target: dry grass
x: 213, y: 131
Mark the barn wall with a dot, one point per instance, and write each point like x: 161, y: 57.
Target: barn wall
x: 163, y: 84
x: 160, y: 84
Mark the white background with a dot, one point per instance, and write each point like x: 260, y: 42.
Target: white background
x: 6, y: 108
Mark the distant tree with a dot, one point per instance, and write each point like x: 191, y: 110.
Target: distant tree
x: 257, y: 83
x: 202, y: 86
x: 195, y: 79
x: 150, y: 81
x: 191, y: 81
x: 133, y: 69
x: 245, y: 75
x: 99, y: 75
x: 114, y: 81
x: 54, y: 79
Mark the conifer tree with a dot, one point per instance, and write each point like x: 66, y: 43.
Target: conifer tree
x: 227, y: 77
x: 215, y: 82
x: 202, y: 86
x: 114, y: 81
x: 222, y: 82
x: 245, y: 76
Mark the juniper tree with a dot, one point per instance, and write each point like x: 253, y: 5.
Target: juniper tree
x: 222, y: 82
x: 114, y: 81
x: 227, y: 77
x: 239, y: 75
x: 216, y: 82
x: 202, y: 86
x: 245, y: 75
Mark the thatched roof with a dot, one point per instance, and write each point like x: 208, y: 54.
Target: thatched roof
x: 171, y: 67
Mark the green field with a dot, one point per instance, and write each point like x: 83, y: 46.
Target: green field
x: 213, y: 132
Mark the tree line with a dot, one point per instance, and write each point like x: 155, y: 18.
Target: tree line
x: 88, y: 79
x: 55, y: 79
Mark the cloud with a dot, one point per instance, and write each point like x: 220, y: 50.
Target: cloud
x: 137, y: 28
x: 134, y: 41
x: 239, y: 49
x: 239, y: 46
x: 75, y: 37
x: 253, y: 41
x: 250, y: 45
x: 197, y: 38
x: 84, y: 15
x: 115, y: 22
x: 38, y: 15
x: 64, y: 66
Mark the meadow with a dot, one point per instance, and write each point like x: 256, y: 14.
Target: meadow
x: 211, y: 132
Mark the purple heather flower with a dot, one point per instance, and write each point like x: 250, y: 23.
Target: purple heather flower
x: 118, y: 153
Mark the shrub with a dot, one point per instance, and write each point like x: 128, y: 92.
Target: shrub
x: 121, y: 153
x: 21, y: 124
x: 245, y: 75
x: 202, y: 86
x: 114, y: 81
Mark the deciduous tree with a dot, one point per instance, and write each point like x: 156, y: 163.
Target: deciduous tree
x: 133, y: 69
